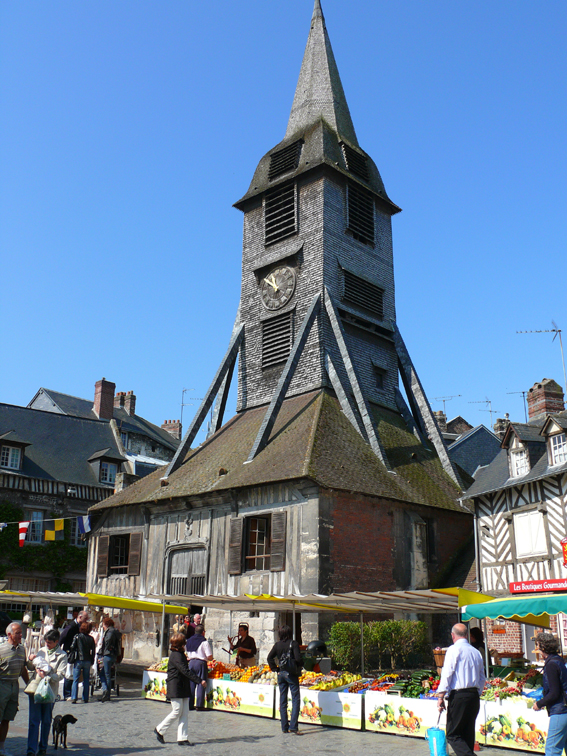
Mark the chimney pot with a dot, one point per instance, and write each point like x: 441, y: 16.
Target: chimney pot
x: 173, y: 427
x: 130, y: 403
x: 544, y: 398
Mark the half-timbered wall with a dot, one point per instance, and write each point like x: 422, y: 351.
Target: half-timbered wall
x: 497, y: 536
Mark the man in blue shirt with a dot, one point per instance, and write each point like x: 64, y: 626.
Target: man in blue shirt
x: 462, y: 682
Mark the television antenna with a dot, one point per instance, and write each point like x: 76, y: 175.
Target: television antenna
x: 524, y: 394
x: 446, y: 399
x: 187, y: 404
x: 488, y: 403
x: 557, y: 331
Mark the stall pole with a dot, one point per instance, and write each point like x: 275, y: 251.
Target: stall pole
x: 362, y: 644
x: 163, y: 643
x: 293, y: 618
x: 486, y: 655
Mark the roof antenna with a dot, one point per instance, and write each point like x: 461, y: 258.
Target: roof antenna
x: 557, y: 332
x: 488, y: 403
x: 446, y: 399
x: 524, y: 394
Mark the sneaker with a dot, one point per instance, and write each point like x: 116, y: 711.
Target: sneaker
x: 74, y: 701
x: 184, y: 743
x: 295, y: 732
x: 159, y: 736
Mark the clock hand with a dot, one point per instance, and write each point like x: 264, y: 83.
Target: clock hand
x: 267, y: 280
x: 274, y: 284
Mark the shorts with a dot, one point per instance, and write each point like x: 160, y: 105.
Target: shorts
x: 9, y: 692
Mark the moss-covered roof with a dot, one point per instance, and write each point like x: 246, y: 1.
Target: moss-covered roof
x: 311, y: 439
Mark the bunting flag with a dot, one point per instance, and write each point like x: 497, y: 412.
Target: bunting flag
x: 3, y: 525
x: 54, y: 530
x: 84, y: 524
x: 23, y: 528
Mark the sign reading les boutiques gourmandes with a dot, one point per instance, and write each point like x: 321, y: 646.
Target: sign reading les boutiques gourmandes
x: 538, y: 586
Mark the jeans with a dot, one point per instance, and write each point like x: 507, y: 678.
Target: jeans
x: 39, y: 716
x: 106, y: 672
x: 289, y: 682
x: 67, y: 687
x: 85, y: 667
x: 556, y: 735
x: 200, y: 668
x: 179, y: 713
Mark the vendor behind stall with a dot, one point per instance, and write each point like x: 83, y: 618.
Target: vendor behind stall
x: 245, y: 647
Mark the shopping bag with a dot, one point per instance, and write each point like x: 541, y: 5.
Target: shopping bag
x: 437, y: 740
x: 44, y: 693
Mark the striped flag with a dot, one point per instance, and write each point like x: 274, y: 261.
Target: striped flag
x: 84, y: 524
x: 23, y: 528
x: 54, y: 530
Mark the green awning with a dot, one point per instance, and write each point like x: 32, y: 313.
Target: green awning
x: 531, y: 610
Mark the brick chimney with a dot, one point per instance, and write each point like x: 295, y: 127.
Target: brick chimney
x: 130, y: 403
x: 173, y: 427
x: 441, y: 418
x: 119, y: 399
x: 501, y: 425
x: 104, y: 399
x: 545, y: 397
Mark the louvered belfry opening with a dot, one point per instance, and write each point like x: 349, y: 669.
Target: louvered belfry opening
x: 363, y: 294
x: 355, y: 162
x: 285, y: 160
x: 360, y: 214
x: 277, y: 339
x: 280, y: 213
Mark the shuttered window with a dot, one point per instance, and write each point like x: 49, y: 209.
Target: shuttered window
x: 363, y: 294
x: 280, y: 216
x: 284, y: 160
x: 277, y: 339
x: 529, y: 531
x: 187, y: 571
x: 235, y: 546
x: 102, y: 556
x: 135, y: 555
x: 360, y: 208
x: 355, y: 162
x: 277, y: 563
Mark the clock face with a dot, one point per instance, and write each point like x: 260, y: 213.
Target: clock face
x: 276, y: 289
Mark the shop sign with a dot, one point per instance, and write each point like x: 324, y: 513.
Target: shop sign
x: 538, y: 586
x: 564, y: 550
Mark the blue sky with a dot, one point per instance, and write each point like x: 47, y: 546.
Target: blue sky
x: 128, y: 129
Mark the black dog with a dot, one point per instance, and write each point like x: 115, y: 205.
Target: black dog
x: 60, y: 728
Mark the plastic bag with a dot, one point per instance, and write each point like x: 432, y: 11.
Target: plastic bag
x: 536, y: 693
x: 437, y: 740
x: 44, y: 693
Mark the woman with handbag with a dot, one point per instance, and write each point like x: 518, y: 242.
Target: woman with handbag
x: 81, y: 656
x: 179, y: 677
x: 49, y: 664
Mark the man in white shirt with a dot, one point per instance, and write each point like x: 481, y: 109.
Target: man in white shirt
x: 199, y: 653
x: 462, y: 682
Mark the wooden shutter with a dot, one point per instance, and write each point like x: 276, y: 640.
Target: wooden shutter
x: 135, y: 553
x: 102, y: 557
x: 277, y: 560
x: 235, y: 546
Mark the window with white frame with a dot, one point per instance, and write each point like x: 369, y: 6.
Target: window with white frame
x: 11, y: 457
x: 124, y: 439
x: 35, y: 528
x: 108, y: 472
x: 529, y: 532
x: 519, y: 462
x: 558, y: 445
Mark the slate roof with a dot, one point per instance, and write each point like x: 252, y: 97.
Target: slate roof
x: 311, y: 439
x: 526, y: 431
x: 497, y: 476
x: 73, y: 405
x: 60, y: 445
x: 478, y: 447
x: 559, y: 417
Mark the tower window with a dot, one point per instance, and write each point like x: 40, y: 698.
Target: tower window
x: 380, y: 377
x: 360, y: 222
x: 285, y: 160
x: 280, y: 213
x: 277, y: 336
x: 363, y: 294
x: 355, y: 162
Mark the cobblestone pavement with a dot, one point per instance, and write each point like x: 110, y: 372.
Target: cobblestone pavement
x: 124, y: 727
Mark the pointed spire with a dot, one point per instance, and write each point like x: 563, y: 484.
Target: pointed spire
x: 319, y: 93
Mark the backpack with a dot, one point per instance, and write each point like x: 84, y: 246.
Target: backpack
x: 287, y: 662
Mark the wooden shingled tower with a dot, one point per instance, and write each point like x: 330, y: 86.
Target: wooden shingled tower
x: 317, y: 305
x: 328, y: 478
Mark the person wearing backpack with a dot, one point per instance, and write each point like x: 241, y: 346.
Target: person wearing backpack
x: 285, y: 659
x: 110, y: 652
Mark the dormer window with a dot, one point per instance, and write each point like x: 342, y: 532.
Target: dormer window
x: 11, y: 457
x: 108, y: 472
x: 558, y: 446
x: 519, y: 463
